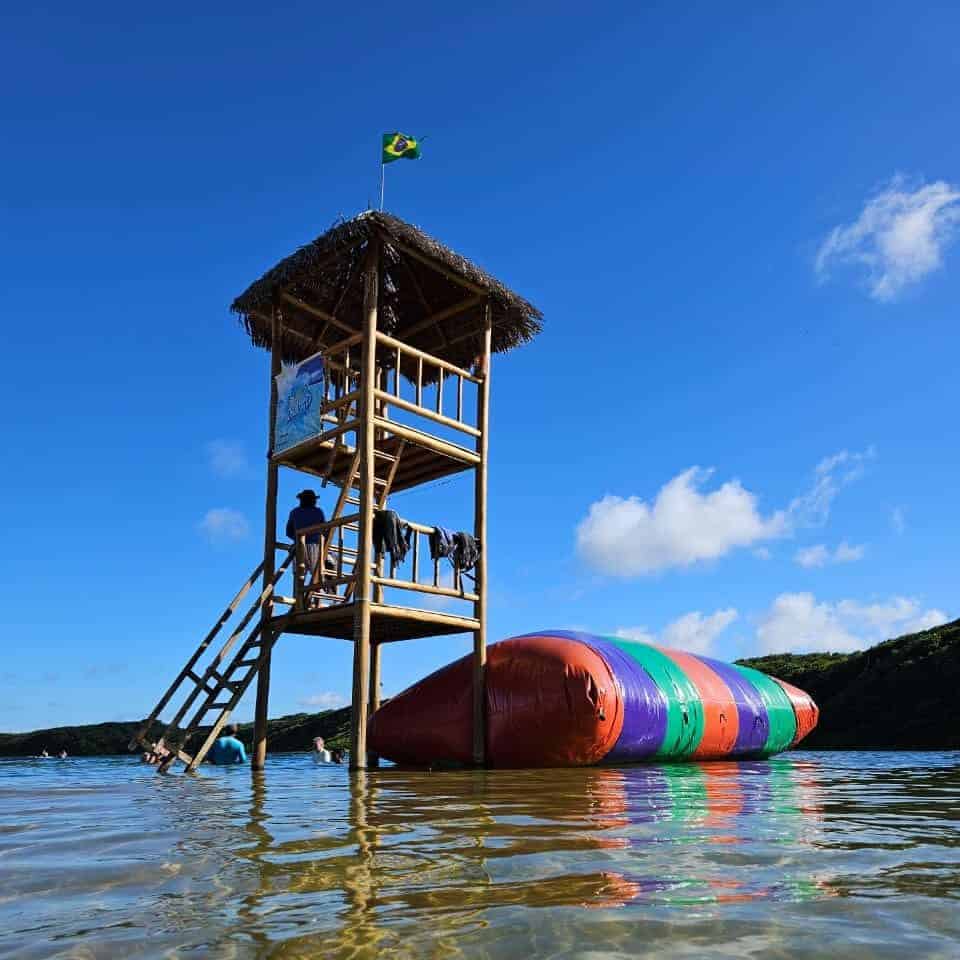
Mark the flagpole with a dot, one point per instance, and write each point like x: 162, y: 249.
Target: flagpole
x: 381, y: 184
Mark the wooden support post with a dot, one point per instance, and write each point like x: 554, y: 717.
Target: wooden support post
x: 480, y: 532
x: 365, y: 443
x: 372, y: 759
x: 259, y: 755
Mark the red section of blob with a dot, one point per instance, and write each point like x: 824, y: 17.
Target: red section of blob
x: 550, y: 702
x: 430, y: 722
x: 721, y: 721
x: 807, y: 712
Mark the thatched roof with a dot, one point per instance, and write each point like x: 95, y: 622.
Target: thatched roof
x: 421, y: 278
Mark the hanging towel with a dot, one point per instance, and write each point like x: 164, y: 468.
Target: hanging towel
x: 466, y: 551
x: 391, y: 535
x: 441, y: 543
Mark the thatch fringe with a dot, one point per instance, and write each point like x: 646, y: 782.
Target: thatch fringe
x: 325, y: 273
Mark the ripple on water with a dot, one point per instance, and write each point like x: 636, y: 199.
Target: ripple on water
x: 860, y: 852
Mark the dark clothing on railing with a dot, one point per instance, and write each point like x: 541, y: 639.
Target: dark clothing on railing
x: 441, y: 543
x: 466, y: 551
x: 301, y: 517
x: 391, y: 534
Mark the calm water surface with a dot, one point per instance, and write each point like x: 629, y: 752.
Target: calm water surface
x: 807, y: 855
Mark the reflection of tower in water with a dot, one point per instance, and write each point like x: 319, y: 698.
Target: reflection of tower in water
x: 412, y: 858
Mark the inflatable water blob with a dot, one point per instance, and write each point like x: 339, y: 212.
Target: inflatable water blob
x: 561, y: 698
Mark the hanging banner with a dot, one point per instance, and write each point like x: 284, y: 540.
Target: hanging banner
x: 299, y: 399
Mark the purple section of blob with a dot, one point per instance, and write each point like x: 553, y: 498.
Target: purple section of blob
x: 754, y: 722
x: 644, y: 706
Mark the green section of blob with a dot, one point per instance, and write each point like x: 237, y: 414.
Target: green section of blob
x: 783, y: 721
x: 684, y: 709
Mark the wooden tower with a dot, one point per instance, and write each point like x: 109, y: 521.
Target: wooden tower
x: 401, y: 330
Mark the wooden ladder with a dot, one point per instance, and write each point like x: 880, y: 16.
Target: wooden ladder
x: 346, y: 499
x: 222, y: 686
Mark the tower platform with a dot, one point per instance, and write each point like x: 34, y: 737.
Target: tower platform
x: 388, y: 622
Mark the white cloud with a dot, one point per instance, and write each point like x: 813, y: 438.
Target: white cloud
x: 897, y: 520
x: 226, y: 459
x: 820, y: 555
x: 693, y: 632
x: 848, y: 552
x: 627, y: 537
x: 640, y: 634
x: 328, y: 700
x: 762, y: 553
x: 224, y: 525
x: 685, y: 524
x: 830, y: 476
x: 797, y: 623
x: 815, y: 556
x: 899, y: 237
x: 696, y: 633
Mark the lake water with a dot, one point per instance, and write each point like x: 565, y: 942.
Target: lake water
x: 805, y: 855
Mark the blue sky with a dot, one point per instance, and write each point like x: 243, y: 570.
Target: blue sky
x: 737, y: 432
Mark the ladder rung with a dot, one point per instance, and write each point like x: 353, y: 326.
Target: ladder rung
x: 384, y: 456
x: 248, y: 663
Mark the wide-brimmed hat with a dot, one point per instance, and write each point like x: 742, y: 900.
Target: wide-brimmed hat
x: 307, y: 495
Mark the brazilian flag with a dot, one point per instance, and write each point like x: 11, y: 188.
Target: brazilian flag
x: 398, y: 146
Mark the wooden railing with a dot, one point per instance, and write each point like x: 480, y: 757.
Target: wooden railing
x: 332, y: 578
x: 427, y: 369
x: 434, y: 586
x: 341, y: 388
x: 334, y: 567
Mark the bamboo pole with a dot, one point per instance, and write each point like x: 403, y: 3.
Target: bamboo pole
x: 438, y: 267
x: 464, y: 624
x: 361, y: 621
x: 441, y: 315
x: 453, y: 593
x: 317, y: 312
x: 375, y: 677
x: 430, y: 415
x: 389, y: 341
x: 259, y: 754
x: 480, y: 532
x: 373, y: 759
x: 452, y: 450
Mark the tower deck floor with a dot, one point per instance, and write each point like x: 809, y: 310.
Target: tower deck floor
x: 418, y: 463
x: 387, y: 622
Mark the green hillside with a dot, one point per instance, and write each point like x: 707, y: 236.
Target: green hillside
x: 295, y: 732
x: 902, y: 694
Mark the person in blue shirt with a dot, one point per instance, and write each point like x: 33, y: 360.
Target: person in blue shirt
x: 228, y: 749
x: 308, y: 514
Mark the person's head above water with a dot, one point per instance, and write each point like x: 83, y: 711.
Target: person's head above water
x: 307, y: 498
x: 318, y: 743
x: 230, y: 730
